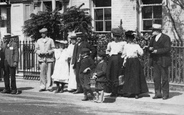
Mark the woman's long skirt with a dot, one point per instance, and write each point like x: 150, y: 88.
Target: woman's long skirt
x: 113, y: 71
x: 135, y: 81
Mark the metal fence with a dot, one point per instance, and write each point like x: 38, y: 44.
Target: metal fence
x: 29, y: 65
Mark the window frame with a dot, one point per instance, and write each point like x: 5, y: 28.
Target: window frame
x: 103, y: 20
x: 152, y: 18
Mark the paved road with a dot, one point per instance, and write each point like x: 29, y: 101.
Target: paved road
x: 32, y: 102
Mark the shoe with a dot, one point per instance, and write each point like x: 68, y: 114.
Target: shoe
x: 73, y: 90
x: 157, y: 97
x: 50, y: 90
x: 14, y: 92
x: 41, y: 90
x: 165, y: 97
x: 113, y: 95
x: 57, y: 90
x: 61, y: 91
x: 85, y: 99
x: 136, y: 97
x: 77, y: 92
x: 6, y: 91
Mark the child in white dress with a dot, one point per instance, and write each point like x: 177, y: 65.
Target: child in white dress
x: 61, y: 68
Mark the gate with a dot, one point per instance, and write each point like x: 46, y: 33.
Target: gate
x: 28, y: 60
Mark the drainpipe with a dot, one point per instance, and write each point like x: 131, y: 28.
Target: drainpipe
x: 53, y: 5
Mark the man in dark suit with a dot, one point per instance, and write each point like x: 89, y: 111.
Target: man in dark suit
x: 11, y: 58
x: 81, y: 43
x: 159, y: 48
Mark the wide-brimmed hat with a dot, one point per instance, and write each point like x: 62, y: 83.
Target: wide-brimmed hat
x: 117, y: 32
x: 130, y: 34
x: 61, y: 41
x: 43, y: 30
x: 156, y: 27
x: 73, y: 37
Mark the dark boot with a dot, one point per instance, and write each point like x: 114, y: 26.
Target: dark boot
x: 92, y: 94
x: 85, y: 98
x: 62, y: 88
x: 58, y: 88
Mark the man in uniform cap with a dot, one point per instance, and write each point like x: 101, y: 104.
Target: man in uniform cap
x: 159, y: 48
x: 11, y: 58
x: 44, y: 49
x: 81, y: 43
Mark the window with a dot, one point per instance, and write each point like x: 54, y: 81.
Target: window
x: 48, y: 5
x: 151, y: 13
x: 102, y: 15
x: 3, y: 17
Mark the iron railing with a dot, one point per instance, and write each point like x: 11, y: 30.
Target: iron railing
x: 29, y: 65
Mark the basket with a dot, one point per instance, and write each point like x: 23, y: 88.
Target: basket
x: 92, y: 83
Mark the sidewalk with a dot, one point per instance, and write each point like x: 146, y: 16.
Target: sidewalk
x: 176, y: 97
x: 111, y: 106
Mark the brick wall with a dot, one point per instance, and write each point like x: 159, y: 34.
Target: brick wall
x: 125, y: 10
x: 121, y: 9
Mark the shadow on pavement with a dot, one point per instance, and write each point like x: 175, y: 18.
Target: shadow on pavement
x: 109, y: 99
x: 173, y: 94
x: 25, y: 88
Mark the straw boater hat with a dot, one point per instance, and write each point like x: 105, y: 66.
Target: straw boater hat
x: 73, y: 36
x: 79, y: 34
x: 43, y: 30
x: 156, y: 26
x: 7, y: 35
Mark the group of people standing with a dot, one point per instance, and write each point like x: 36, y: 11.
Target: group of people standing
x: 77, y: 63
x: 66, y: 62
x: 122, y: 71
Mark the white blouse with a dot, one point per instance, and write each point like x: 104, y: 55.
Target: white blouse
x: 132, y: 51
x: 113, y: 48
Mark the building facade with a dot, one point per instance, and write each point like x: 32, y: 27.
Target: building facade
x: 14, y: 12
x: 137, y: 15
x: 5, y: 23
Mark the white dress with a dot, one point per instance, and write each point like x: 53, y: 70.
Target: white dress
x: 72, y: 84
x: 61, y: 67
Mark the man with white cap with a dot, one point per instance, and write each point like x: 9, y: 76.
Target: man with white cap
x: 44, y: 49
x: 159, y: 48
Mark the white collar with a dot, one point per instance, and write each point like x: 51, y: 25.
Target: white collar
x: 158, y: 36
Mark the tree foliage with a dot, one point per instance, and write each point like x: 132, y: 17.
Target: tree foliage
x: 76, y: 19
x: 49, y: 20
x: 73, y: 19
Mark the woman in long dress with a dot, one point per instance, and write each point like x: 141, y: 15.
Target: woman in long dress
x: 134, y: 79
x: 114, y: 50
x: 72, y: 84
x: 61, y: 69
